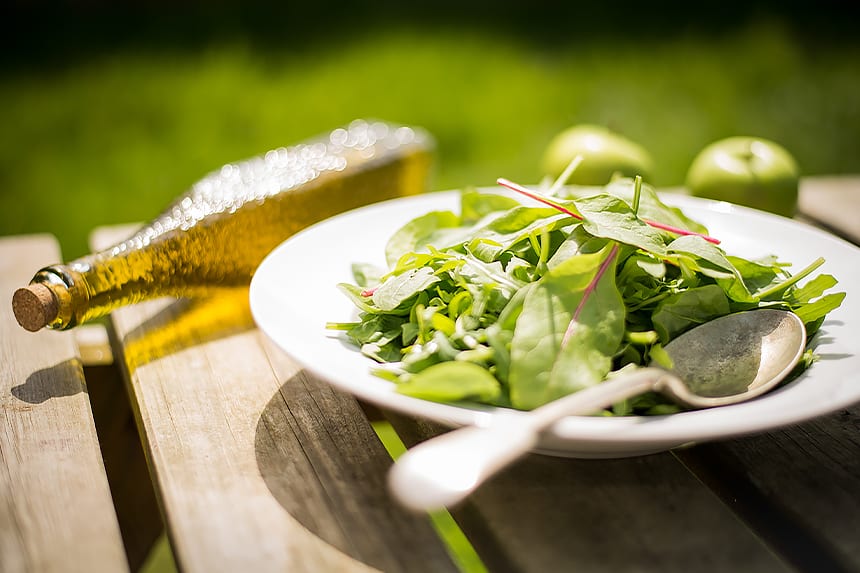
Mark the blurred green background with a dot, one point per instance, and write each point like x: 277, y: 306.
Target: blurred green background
x: 108, y: 111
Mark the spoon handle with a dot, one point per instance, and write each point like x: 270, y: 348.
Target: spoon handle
x: 445, y: 470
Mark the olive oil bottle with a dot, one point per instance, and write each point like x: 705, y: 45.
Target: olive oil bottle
x: 218, y: 232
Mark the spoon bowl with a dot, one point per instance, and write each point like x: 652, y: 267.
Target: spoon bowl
x: 724, y: 361
x: 734, y: 358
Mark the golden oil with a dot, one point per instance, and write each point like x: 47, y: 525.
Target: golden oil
x: 217, y: 233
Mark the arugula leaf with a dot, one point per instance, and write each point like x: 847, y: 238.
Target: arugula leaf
x: 813, y: 289
x: 814, y: 311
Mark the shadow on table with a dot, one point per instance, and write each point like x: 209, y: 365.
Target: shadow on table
x: 324, y: 464
x: 62, y: 379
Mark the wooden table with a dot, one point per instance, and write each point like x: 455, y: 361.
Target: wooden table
x: 197, y: 424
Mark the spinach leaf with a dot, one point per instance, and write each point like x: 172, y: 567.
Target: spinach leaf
x: 515, y: 225
x: 367, y: 275
x: 355, y: 294
x: 542, y: 368
x: 651, y: 207
x: 579, y: 241
x: 474, y: 205
x: 699, y: 248
x: 451, y: 381
x: 611, y: 218
x: 396, y: 290
x: 418, y: 233
x: 753, y: 277
x: 680, y: 312
x: 709, y: 260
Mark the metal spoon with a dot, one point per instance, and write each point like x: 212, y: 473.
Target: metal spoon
x: 728, y: 360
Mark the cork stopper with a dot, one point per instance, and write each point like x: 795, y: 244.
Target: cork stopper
x: 35, y: 306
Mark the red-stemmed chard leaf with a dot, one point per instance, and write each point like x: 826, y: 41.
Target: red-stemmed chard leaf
x: 555, y: 204
x: 586, y: 294
x: 570, y: 325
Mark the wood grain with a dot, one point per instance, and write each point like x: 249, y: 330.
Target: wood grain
x: 128, y: 475
x: 258, y: 467
x: 56, y: 512
x: 637, y: 514
x: 832, y: 202
x: 799, y: 487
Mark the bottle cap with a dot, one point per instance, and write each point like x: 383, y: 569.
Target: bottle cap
x: 35, y: 306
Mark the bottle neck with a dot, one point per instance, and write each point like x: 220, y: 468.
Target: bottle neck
x: 71, y: 296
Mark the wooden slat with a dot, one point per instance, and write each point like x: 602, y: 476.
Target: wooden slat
x: 56, y: 512
x: 638, y: 514
x: 127, y: 472
x: 258, y: 467
x: 800, y: 487
x: 833, y: 202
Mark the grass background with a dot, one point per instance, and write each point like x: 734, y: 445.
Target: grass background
x: 109, y: 110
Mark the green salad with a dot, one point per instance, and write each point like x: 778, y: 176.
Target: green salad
x: 516, y: 305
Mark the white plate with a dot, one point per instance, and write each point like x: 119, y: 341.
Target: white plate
x: 293, y: 295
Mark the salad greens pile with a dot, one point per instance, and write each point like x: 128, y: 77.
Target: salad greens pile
x: 517, y: 305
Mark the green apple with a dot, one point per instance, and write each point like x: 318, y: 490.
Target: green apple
x: 604, y: 154
x: 747, y: 171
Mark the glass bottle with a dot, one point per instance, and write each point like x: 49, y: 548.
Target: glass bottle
x: 218, y: 232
